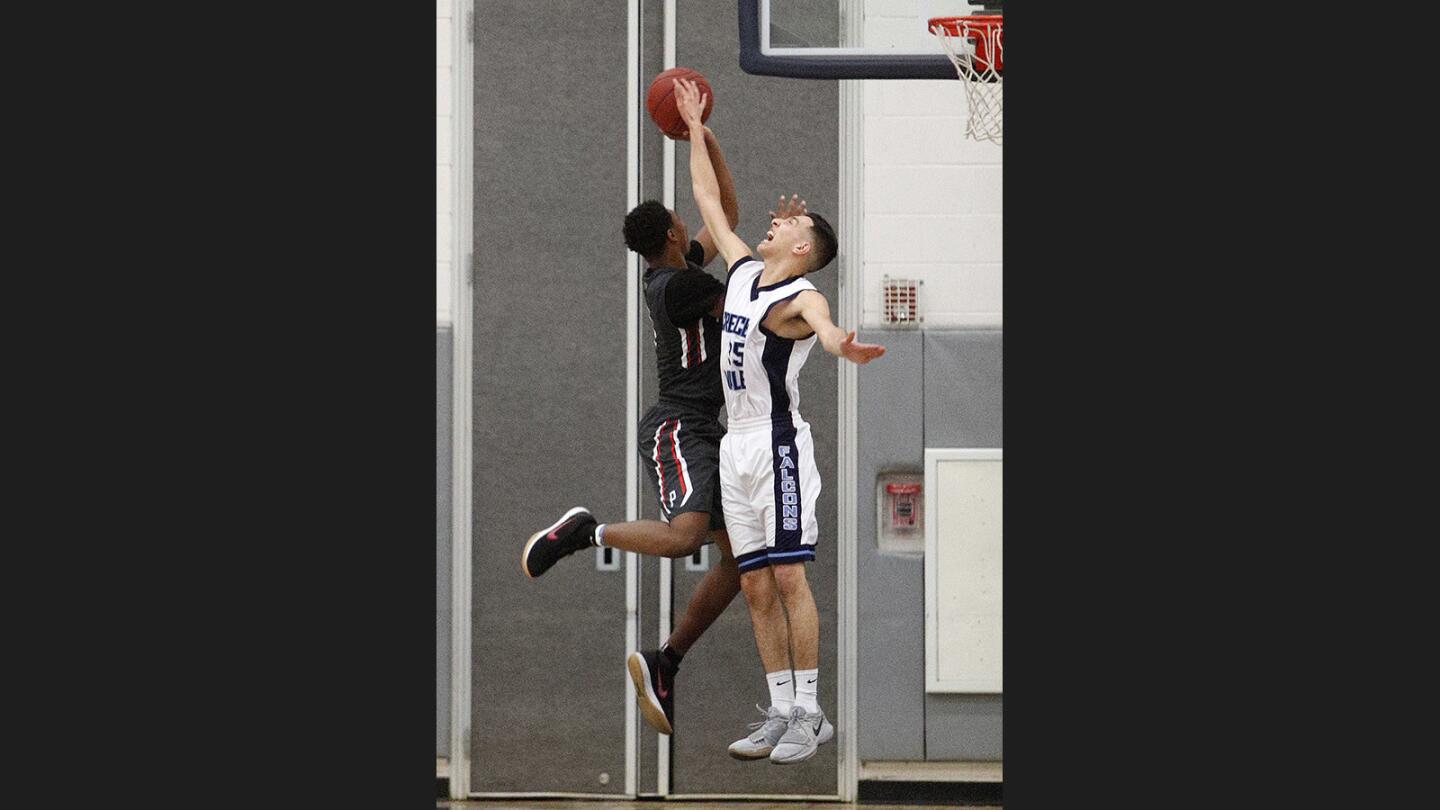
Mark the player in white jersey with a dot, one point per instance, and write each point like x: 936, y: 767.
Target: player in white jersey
x: 769, y: 484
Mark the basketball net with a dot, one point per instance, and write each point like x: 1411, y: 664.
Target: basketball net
x: 977, y: 49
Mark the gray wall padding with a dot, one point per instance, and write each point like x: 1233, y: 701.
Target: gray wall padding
x: 442, y: 540
x: 963, y: 399
x: 778, y: 136
x: 549, y: 394
x: 964, y: 388
x: 964, y: 728
x: 933, y: 388
x: 891, y: 587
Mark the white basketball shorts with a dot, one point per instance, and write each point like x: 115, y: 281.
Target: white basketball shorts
x: 769, y: 486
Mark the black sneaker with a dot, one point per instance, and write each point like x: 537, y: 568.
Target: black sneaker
x: 654, y: 680
x: 560, y: 539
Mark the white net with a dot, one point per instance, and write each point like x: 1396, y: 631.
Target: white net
x: 977, y: 49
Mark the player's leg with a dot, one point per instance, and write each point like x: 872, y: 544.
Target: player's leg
x: 805, y: 652
x: 673, y: 466
x: 715, y: 592
x: 683, y: 467
x: 772, y: 637
x: 796, y: 532
x: 681, y: 537
x: 653, y: 672
x: 578, y: 529
x: 762, y: 600
x: 794, y: 591
x: 718, y: 587
x: 767, y: 617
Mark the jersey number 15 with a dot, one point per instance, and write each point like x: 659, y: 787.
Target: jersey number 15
x: 735, y: 380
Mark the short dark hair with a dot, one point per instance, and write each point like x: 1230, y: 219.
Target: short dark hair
x: 826, y: 244
x: 645, y: 228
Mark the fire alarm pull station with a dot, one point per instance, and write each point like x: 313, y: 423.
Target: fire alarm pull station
x: 901, y: 512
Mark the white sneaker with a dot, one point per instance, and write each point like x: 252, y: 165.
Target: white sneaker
x: 762, y: 741
x: 803, y: 735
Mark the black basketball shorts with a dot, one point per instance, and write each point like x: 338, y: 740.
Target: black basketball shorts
x: 680, y: 451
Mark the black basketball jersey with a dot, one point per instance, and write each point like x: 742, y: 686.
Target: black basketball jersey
x: 687, y: 355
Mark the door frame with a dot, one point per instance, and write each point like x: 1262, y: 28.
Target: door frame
x: 462, y: 407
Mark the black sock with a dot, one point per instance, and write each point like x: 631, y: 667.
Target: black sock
x: 673, y: 655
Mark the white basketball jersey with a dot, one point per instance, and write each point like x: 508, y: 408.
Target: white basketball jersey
x: 760, y: 370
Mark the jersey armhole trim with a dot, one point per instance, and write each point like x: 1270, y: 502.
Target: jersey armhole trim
x: 761, y: 324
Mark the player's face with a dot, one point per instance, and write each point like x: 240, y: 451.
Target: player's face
x: 678, y: 226
x: 784, y: 235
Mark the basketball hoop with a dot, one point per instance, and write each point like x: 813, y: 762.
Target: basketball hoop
x: 976, y: 48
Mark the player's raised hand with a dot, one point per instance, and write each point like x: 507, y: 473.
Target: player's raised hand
x: 793, y: 207
x: 690, y: 102
x: 859, y: 353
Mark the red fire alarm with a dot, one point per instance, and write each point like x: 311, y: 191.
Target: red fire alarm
x: 900, y: 512
x: 904, y: 502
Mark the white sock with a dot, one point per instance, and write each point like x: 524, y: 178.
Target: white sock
x: 600, y: 534
x: 782, y: 690
x: 806, y: 687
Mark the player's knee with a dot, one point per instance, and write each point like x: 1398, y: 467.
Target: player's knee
x: 692, y: 542
x: 790, y: 578
x: 688, y: 533
x: 759, y: 589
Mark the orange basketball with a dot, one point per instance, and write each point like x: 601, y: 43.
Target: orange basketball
x: 660, y: 101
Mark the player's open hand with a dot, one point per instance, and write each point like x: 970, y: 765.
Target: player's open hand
x: 859, y: 353
x: 793, y: 207
x: 690, y: 102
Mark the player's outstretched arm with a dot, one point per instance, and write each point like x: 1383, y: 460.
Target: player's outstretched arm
x: 691, y: 103
x: 815, y: 310
x: 728, y: 200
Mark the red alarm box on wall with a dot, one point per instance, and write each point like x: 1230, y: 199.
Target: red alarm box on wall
x: 903, y: 500
x: 900, y: 512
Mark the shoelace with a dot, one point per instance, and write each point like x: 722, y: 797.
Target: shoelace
x: 766, y: 722
x: 799, y: 720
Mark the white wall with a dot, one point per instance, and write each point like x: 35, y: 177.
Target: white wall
x: 445, y: 62
x: 933, y: 202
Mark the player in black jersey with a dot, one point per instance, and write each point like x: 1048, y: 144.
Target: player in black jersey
x: 679, y: 436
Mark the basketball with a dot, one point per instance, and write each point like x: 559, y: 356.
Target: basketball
x: 660, y: 101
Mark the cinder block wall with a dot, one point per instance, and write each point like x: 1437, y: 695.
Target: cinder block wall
x: 932, y: 196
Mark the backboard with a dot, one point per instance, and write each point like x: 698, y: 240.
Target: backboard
x: 877, y: 39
